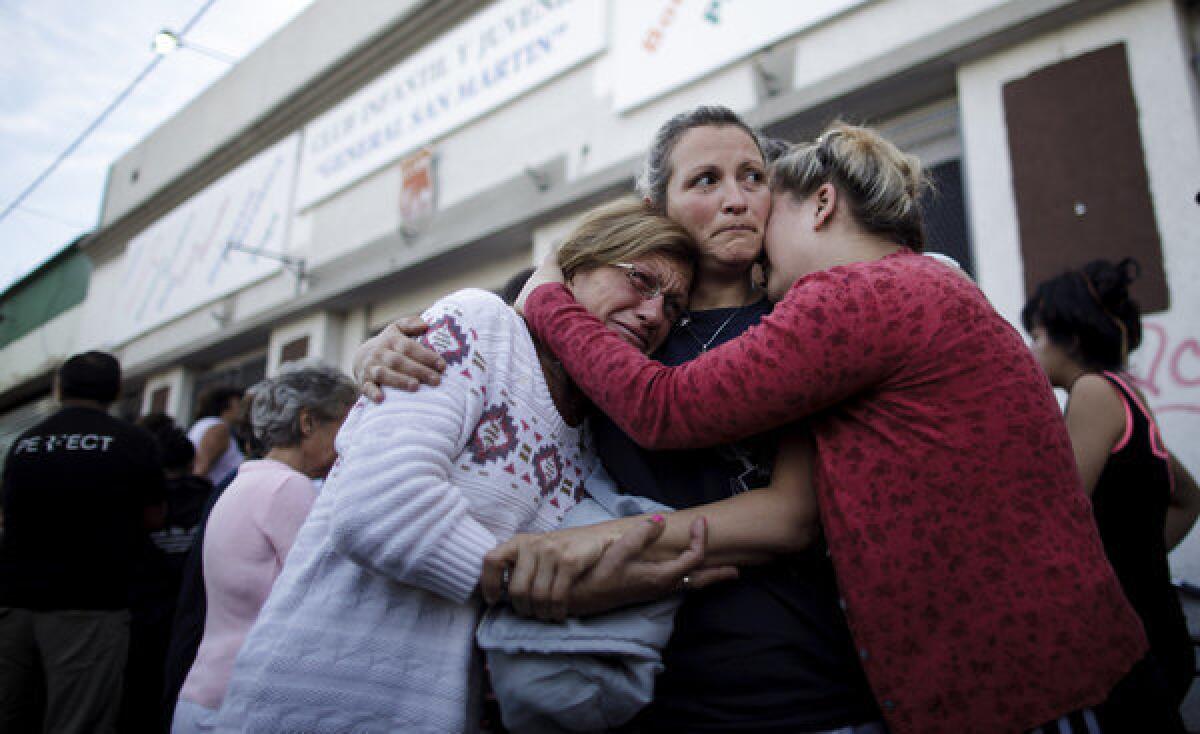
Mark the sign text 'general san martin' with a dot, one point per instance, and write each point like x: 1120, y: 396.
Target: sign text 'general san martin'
x: 496, y: 55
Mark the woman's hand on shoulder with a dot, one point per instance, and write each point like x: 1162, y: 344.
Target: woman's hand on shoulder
x: 394, y: 358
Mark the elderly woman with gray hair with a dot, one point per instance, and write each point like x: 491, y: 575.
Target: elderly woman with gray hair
x: 295, y: 416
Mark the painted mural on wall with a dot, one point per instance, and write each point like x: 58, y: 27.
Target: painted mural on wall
x: 183, y: 260
x: 1166, y: 368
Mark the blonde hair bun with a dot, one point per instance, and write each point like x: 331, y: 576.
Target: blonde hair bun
x: 883, y: 183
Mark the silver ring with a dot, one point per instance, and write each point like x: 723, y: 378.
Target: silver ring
x: 505, y: 578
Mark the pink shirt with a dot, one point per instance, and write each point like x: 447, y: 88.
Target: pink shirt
x: 975, y: 583
x: 247, y: 539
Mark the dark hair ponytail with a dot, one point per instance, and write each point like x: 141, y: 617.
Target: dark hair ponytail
x: 1090, y: 313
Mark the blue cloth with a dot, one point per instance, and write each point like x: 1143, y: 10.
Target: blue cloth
x: 587, y: 674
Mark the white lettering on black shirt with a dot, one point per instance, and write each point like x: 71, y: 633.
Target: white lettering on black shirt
x: 64, y: 441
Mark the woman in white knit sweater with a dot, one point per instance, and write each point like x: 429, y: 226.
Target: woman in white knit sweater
x: 370, y: 626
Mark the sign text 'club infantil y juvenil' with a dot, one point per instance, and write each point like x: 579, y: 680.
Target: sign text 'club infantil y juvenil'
x: 496, y: 55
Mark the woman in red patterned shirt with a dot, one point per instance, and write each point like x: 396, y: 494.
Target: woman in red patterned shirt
x: 974, y: 579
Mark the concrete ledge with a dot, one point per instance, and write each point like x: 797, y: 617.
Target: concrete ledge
x: 327, y: 53
x: 497, y: 221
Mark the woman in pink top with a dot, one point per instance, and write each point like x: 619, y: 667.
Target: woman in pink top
x: 295, y: 416
x: 974, y: 581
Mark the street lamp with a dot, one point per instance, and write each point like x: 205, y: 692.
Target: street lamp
x: 167, y: 41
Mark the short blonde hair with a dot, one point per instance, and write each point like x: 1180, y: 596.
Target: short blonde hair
x: 623, y: 230
x: 883, y: 183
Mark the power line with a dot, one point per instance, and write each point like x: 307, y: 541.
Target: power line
x: 99, y: 119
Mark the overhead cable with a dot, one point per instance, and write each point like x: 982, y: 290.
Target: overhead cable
x: 99, y: 119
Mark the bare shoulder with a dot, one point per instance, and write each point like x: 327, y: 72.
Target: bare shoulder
x: 1093, y: 398
x: 1093, y: 387
x: 217, y: 432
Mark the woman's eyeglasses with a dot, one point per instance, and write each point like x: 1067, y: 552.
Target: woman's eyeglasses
x: 649, y: 287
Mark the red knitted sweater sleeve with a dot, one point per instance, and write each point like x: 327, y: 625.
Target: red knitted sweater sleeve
x: 830, y: 337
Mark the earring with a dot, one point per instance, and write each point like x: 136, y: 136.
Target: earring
x: 758, y: 277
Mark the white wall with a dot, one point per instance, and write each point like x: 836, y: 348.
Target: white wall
x: 42, y: 349
x: 106, y: 291
x: 489, y: 276
x: 903, y: 32
x: 547, y: 238
x: 179, y: 382
x: 354, y: 332
x: 1168, y: 364
x: 324, y: 332
x: 562, y: 119
x: 283, y: 65
x: 571, y: 118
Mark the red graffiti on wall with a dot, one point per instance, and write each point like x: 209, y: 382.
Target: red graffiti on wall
x: 654, y: 36
x: 1174, y: 365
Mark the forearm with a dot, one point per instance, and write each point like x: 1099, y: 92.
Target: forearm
x: 396, y: 510
x: 1179, y: 524
x: 202, y: 464
x: 755, y: 526
x: 1185, y: 505
x: 775, y: 373
x: 748, y: 528
x: 433, y: 542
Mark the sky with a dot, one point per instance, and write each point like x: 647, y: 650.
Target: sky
x: 66, y: 60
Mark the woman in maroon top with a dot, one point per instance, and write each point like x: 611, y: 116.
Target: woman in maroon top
x: 974, y: 580
x: 1084, y: 325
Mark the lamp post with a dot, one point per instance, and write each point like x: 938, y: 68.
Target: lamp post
x: 167, y: 41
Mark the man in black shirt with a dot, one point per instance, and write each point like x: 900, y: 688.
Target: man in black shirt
x: 79, y: 491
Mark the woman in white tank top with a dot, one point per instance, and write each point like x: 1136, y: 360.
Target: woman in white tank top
x: 217, y: 454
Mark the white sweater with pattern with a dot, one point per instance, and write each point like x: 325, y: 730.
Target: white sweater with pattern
x: 370, y: 626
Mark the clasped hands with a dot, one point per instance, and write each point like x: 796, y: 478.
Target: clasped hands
x: 587, y: 570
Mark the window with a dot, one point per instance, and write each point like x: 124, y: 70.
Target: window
x: 294, y: 350
x: 1079, y: 172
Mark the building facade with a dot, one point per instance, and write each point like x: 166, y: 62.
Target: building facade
x: 373, y: 156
